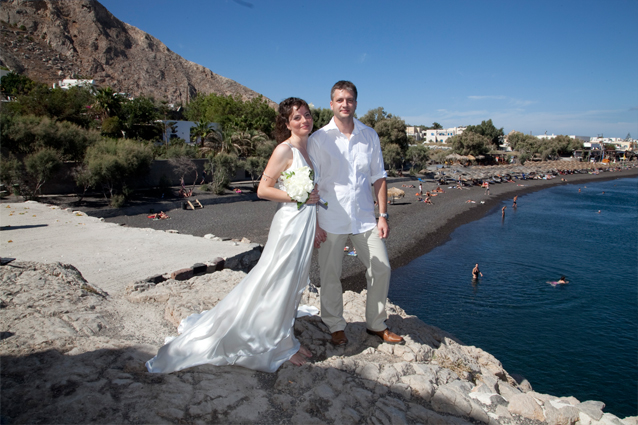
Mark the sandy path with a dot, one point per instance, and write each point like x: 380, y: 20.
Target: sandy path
x: 107, y: 254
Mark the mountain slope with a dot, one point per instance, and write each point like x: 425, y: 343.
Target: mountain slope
x: 49, y: 40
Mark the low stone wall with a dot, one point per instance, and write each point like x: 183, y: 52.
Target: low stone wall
x: 63, y: 181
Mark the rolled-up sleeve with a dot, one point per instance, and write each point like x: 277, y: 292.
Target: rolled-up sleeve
x: 377, y: 168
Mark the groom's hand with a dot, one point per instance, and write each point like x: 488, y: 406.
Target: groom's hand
x: 320, y: 236
x: 384, y: 229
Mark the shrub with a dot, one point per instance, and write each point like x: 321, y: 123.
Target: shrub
x: 117, y: 201
x: 115, y: 164
x: 9, y: 170
x: 23, y: 135
x: 165, y: 186
x: 39, y: 167
x: 222, y: 167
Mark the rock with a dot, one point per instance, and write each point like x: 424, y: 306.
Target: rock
x: 609, y: 419
x: 560, y: 413
x: 70, y: 355
x: 593, y: 409
x: 420, y: 386
x: 526, y: 406
x: 507, y: 391
x: 82, y: 37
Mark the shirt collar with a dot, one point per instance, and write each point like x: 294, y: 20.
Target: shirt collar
x: 358, y: 125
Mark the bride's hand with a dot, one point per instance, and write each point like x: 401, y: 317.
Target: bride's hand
x: 313, y: 198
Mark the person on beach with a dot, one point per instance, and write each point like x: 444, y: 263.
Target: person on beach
x: 503, y: 211
x: 514, y: 203
x: 421, y: 189
x: 347, y: 157
x: 253, y: 325
x: 486, y: 185
x: 476, y: 272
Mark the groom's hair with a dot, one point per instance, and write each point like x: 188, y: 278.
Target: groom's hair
x: 343, y: 85
x: 286, y: 108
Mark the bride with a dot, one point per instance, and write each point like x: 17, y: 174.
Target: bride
x: 253, y: 325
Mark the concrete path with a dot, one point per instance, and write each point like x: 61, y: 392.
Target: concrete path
x: 108, y: 255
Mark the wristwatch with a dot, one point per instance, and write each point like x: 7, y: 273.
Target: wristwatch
x: 384, y: 215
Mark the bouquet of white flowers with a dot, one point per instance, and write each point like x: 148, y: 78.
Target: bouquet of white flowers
x: 298, y: 184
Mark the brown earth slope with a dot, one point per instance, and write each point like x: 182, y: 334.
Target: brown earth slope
x: 49, y: 40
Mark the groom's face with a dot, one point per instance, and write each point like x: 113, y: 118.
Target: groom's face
x: 343, y: 104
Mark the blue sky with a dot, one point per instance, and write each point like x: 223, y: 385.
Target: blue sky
x: 560, y: 66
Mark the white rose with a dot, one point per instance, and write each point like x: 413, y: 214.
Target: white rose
x: 298, y: 184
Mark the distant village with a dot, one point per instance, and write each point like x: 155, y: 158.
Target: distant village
x: 595, y: 147
x: 436, y: 138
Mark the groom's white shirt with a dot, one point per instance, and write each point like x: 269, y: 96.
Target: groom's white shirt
x: 346, y: 170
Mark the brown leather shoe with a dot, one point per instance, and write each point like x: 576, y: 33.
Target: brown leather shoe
x: 387, y: 336
x: 339, y: 338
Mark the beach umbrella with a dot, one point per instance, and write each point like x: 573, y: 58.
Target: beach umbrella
x: 471, y: 157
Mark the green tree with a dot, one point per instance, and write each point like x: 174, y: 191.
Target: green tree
x: 23, y: 135
x: 374, y: 116
x: 469, y: 143
x: 321, y: 117
x: 247, y: 141
x: 73, y: 105
x: 222, y: 167
x: 114, y: 165
x: 392, y: 156
x: 418, y: 156
x: 255, y: 166
x: 523, y: 143
x: 487, y: 129
x: 232, y: 113
x: 138, y: 118
x: 14, y: 84
x: 40, y: 166
x: 392, y: 131
x: 107, y: 102
x: 435, y: 126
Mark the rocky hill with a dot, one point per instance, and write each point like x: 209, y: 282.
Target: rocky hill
x: 49, y: 40
x: 72, y: 354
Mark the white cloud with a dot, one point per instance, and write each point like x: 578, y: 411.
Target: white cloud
x: 486, y: 97
x: 511, y: 100
x: 611, y: 122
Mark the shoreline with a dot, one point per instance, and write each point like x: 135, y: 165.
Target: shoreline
x: 443, y: 223
x: 415, y: 228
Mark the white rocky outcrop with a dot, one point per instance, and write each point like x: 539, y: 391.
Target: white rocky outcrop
x: 73, y: 354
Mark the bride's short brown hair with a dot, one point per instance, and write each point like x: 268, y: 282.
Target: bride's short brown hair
x: 286, y: 108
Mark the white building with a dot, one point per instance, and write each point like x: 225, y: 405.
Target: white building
x: 67, y: 83
x: 414, y: 132
x: 620, y: 144
x: 553, y: 136
x: 441, y: 136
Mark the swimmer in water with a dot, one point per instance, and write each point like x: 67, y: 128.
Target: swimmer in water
x: 562, y: 280
x: 476, y: 272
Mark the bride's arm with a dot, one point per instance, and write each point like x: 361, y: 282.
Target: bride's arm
x: 279, y: 161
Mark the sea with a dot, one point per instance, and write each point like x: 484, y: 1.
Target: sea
x: 579, y: 339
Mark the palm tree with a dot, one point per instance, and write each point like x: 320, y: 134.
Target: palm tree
x: 245, y: 142
x: 107, y: 102
x: 210, y: 137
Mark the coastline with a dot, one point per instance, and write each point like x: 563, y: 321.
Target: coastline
x: 415, y: 228
x: 62, y: 326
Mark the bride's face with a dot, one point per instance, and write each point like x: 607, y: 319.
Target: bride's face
x: 300, y: 122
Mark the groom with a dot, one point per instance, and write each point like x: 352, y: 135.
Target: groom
x: 347, y: 157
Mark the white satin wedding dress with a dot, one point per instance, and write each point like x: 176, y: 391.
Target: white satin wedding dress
x: 253, y: 325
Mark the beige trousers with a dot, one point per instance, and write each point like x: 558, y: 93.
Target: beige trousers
x: 371, y: 250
